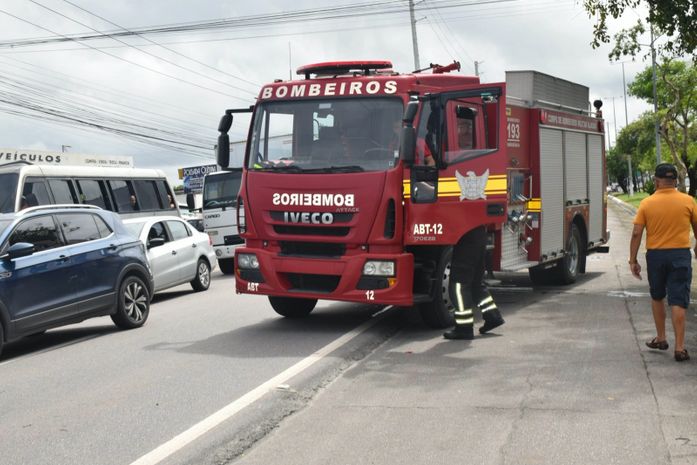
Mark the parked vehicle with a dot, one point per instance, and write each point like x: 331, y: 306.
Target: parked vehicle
x: 220, y: 191
x: 358, y: 180
x: 177, y: 252
x: 62, y: 264
x: 131, y: 192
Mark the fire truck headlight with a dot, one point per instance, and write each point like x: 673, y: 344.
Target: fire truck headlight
x: 378, y: 268
x: 247, y: 261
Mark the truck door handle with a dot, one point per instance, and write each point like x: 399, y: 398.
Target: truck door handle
x: 174, y: 252
x: 194, y: 245
x: 63, y: 258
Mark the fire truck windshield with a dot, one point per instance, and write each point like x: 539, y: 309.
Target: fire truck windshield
x: 324, y: 136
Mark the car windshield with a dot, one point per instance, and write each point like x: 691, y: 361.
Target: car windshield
x: 221, y: 189
x: 134, y: 228
x: 8, y: 191
x: 324, y: 136
x: 3, y: 225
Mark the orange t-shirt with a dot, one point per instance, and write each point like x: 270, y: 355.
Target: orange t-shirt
x: 668, y: 216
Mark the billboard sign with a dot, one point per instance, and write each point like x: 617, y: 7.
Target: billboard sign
x: 42, y: 157
x: 193, y: 177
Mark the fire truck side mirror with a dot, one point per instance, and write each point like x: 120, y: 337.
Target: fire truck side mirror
x: 407, y: 147
x: 223, y: 151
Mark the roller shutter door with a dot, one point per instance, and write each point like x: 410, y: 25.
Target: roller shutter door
x: 595, y: 187
x: 575, y: 170
x: 551, y: 190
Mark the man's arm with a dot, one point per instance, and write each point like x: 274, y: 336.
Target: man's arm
x: 634, y: 244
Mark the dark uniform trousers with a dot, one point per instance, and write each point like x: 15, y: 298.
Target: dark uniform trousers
x: 467, y: 269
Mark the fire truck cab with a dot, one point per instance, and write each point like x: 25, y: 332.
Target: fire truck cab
x: 359, y: 179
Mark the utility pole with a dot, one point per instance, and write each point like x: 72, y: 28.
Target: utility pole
x: 415, y: 43
x: 655, y: 102
x: 476, y: 68
x: 614, y: 117
x: 290, y: 73
x: 624, y: 89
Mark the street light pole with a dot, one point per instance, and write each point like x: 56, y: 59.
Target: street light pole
x: 415, y: 43
x: 655, y: 102
x: 624, y: 89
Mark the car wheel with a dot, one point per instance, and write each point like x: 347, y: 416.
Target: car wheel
x: 202, y: 281
x: 133, y: 306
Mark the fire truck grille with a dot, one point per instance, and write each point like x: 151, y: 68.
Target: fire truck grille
x: 312, y: 249
x: 311, y: 230
x: 313, y: 282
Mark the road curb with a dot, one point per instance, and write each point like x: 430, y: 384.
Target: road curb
x: 624, y: 205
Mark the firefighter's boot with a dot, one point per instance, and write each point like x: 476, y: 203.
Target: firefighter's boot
x: 491, y: 315
x: 464, y: 332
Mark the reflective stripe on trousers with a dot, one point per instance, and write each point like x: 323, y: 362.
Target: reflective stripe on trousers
x: 463, y: 316
x: 487, y: 304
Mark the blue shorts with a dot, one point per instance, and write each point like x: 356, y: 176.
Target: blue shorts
x: 670, y: 272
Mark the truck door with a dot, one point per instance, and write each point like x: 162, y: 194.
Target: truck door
x: 463, y: 133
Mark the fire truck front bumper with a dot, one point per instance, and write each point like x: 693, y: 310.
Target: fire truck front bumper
x: 373, y: 278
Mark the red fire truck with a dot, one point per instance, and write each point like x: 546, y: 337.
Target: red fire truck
x: 359, y: 179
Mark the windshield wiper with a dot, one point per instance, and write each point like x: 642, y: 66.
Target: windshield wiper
x: 291, y: 168
x: 337, y: 169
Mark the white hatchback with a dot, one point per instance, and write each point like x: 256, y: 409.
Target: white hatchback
x: 177, y: 252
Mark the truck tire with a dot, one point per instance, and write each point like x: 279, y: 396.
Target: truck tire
x: 566, y: 269
x: 569, y: 266
x: 292, y: 307
x: 438, y: 313
x: 227, y: 265
x: 542, y: 276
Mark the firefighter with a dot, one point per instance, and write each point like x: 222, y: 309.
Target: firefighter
x: 467, y: 287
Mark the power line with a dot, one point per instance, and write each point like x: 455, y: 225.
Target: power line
x: 123, y: 59
x: 388, y: 7
x: 138, y: 49
x: 161, y: 45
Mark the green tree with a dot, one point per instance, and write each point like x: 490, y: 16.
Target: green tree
x: 636, y: 141
x: 676, y: 95
x: 673, y: 19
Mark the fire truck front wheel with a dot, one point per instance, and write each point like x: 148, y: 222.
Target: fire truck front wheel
x: 438, y: 314
x: 292, y: 307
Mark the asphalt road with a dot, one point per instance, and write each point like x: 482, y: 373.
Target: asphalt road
x: 217, y: 378
x: 91, y: 394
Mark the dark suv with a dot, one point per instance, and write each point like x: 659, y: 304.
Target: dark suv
x: 62, y: 264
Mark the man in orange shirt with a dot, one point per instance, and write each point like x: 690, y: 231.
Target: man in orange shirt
x: 667, y: 216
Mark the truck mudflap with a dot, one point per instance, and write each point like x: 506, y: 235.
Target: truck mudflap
x: 340, y: 279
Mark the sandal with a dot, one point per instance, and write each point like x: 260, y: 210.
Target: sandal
x: 656, y: 344
x: 681, y: 355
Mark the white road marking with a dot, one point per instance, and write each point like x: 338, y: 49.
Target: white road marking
x: 199, y: 429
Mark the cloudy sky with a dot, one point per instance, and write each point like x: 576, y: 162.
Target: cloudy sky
x: 158, y: 96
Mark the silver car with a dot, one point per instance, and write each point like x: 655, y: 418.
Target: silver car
x: 177, y: 252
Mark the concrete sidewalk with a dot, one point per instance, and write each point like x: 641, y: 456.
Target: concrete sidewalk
x: 568, y: 380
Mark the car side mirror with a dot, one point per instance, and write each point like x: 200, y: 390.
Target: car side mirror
x: 155, y: 242
x: 20, y: 249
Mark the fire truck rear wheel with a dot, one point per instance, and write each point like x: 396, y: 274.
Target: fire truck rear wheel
x: 438, y: 314
x: 227, y: 265
x: 570, y: 265
x: 292, y: 307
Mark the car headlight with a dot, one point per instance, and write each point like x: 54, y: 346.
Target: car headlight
x: 378, y: 268
x: 247, y: 261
